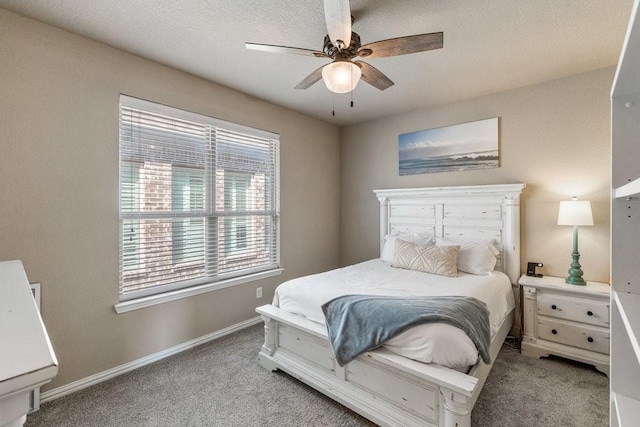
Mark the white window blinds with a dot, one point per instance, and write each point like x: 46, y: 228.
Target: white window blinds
x: 198, y: 199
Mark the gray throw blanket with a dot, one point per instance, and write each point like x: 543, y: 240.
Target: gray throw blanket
x: 359, y: 323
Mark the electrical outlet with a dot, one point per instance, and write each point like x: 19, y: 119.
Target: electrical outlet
x: 259, y: 292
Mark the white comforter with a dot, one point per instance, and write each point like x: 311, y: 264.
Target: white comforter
x: 430, y: 343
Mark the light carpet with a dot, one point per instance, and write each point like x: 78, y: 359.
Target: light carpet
x: 221, y: 384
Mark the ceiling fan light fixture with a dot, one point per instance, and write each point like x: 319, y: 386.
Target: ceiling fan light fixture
x: 341, y: 76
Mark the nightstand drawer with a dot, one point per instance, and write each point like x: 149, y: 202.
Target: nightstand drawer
x: 575, y: 309
x: 586, y: 337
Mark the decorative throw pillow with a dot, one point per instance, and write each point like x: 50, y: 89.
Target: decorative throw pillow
x: 439, y: 260
x: 474, y: 257
x: 389, y: 246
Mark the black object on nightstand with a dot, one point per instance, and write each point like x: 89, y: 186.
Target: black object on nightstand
x: 531, y: 269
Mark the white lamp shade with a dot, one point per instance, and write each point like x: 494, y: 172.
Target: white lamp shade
x: 341, y: 76
x: 575, y: 212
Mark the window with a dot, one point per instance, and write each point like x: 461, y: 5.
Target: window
x: 198, y: 199
x: 237, y: 192
x: 130, y: 179
x: 188, y: 233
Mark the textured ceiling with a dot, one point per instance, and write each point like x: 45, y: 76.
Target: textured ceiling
x: 489, y: 45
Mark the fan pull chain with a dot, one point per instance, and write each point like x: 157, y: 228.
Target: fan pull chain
x: 351, y: 93
x: 333, y: 104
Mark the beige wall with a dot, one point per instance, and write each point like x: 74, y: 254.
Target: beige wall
x: 59, y: 97
x: 553, y: 136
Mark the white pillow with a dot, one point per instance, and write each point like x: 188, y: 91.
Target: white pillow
x: 389, y: 246
x: 474, y: 257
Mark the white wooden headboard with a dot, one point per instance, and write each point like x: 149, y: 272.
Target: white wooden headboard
x: 471, y: 213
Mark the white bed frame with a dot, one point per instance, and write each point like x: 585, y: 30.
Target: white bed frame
x: 388, y: 389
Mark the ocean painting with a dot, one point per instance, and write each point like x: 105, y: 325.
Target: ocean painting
x: 460, y: 147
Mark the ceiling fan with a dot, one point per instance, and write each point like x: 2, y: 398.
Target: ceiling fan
x: 341, y: 45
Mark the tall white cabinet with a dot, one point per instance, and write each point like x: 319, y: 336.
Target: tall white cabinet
x: 625, y: 232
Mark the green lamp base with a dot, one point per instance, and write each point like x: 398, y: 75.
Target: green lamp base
x: 575, y: 272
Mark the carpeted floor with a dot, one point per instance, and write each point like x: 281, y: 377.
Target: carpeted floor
x: 221, y: 384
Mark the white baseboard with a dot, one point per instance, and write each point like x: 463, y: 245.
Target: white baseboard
x: 127, y: 367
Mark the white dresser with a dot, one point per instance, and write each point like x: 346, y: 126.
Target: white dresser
x: 566, y: 320
x: 27, y: 359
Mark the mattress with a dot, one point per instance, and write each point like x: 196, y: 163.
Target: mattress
x: 438, y: 343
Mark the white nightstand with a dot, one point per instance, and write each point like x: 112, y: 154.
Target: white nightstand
x: 566, y: 320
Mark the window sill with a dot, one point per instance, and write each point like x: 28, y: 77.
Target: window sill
x: 136, y: 304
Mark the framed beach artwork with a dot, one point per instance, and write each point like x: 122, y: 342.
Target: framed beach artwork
x: 460, y: 147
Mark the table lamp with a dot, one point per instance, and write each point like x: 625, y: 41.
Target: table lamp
x: 575, y: 212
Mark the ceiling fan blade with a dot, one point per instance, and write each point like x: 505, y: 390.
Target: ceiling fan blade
x: 373, y: 76
x: 311, y: 79
x: 338, y: 16
x: 402, y: 45
x: 285, y: 49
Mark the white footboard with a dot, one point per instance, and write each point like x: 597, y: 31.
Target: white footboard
x: 388, y: 389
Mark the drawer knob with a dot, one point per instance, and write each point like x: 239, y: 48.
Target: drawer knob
x: 553, y: 331
x: 553, y: 307
x: 589, y: 313
x: 590, y: 339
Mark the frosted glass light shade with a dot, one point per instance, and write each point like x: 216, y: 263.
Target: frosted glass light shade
x: 341, y: 76
x: 575, y: 212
